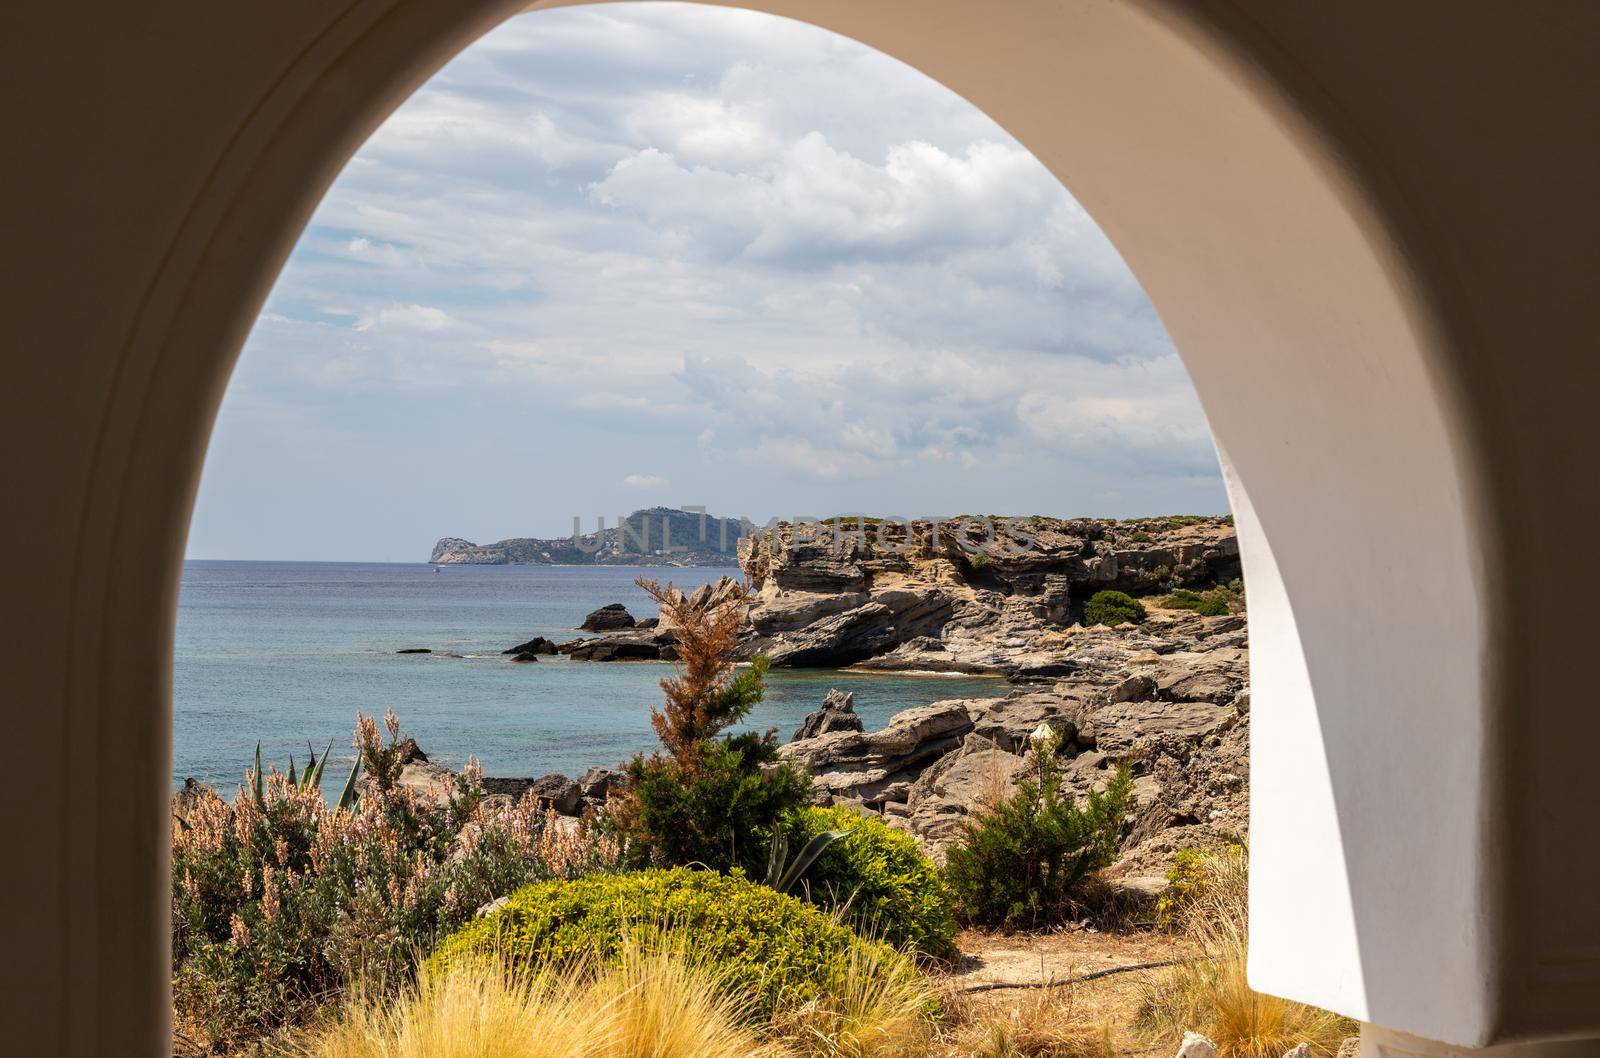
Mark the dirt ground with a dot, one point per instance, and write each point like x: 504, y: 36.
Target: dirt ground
x: 1058, y: 957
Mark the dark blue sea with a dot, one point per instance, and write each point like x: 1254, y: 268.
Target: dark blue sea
x: 285, y: 652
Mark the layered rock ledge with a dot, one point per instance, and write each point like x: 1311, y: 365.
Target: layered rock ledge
x: 995, y: 596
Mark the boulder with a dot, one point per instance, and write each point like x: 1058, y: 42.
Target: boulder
x: 1009, y: 722
x: 859, y: 766
x: 952, y: 788
x: 610, y: 618
x: 558, y: 792
x: 1114, y: 727
x: 525, y: 657
x: 597, y: 785
x: 1195, y: 1045
x: 838, y: 713
x: 536, y: 645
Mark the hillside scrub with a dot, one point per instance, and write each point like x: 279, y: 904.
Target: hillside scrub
x: 1211, y: 604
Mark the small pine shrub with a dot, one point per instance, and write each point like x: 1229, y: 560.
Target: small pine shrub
x: 878, y: 876
x: 711, y: 805
x: 1020, y: 864
x: 710, y: 798
x: 1112, y: 608
x: 771, y: 948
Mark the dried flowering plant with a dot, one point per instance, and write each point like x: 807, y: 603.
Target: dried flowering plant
x: 279, y: 900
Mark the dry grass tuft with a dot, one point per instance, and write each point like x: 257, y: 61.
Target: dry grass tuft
x: 654, y: 1005
x: 1212, y: 995
x: 880, y: 1008
x: 1035, y: 1024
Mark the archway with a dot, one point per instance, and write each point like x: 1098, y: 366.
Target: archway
x: 1289, y: 273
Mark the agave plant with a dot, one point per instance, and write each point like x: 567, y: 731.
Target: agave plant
x: 310, y: 778
x: 783, y: 873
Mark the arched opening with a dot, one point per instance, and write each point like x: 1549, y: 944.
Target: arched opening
x: 1281, y: 276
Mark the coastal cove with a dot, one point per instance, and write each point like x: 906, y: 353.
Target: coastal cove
x: 282, y: 652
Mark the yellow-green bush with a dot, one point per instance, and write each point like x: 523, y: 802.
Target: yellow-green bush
x: 884, y: 883
x: 774, y: 949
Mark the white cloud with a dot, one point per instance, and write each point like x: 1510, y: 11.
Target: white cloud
x: 405, y: 317
x: 646, y: 481
x: 768, y: 256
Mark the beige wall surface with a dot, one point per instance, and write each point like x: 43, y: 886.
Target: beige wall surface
x: 1371, y: 228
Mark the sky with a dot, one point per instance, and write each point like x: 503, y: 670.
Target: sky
x: 642, y: 254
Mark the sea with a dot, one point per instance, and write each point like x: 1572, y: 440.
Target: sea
x: 284, y: 653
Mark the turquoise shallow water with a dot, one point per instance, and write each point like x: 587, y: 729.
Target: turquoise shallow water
x: 282, y: 652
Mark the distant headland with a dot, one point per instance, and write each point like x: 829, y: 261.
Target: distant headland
x: 654, y: 536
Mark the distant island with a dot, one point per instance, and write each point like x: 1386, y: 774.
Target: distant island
x: 655, y: 536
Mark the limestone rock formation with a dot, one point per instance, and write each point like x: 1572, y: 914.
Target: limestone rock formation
x: 974, y: 596
x: 838, y: 713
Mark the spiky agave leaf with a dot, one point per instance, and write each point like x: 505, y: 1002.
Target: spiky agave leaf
x: 347, y: 797
x: 804, y: 859
x: 255, y: 780
x: 315, y: 779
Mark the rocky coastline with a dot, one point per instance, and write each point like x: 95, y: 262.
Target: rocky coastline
x: 1168, y: 695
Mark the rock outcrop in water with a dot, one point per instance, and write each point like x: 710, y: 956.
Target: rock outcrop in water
x: 613, y: 617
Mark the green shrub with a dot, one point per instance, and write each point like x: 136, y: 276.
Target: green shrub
x: 1020, y: 864
x: 1211, y: 604
x: 1112, y: 608
x: 278, y: 899
x: 711, y: 805
x: 772, y: 949
x: 886, y: 887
